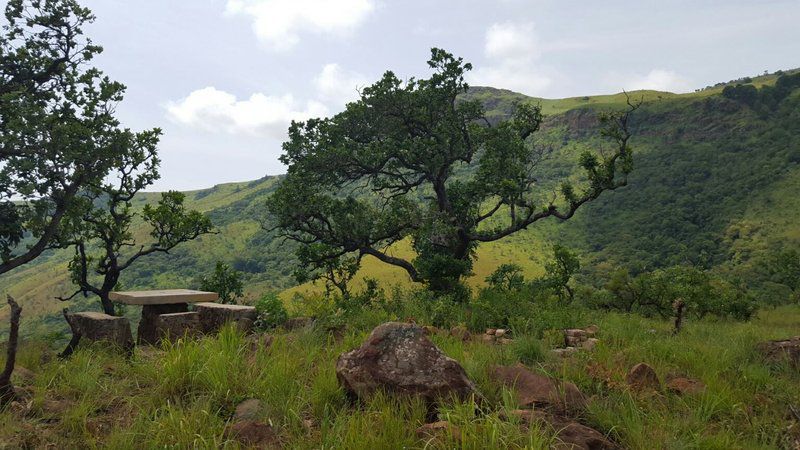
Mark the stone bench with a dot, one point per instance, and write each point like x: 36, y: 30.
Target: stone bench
x: 214, y: 316
x: 99, y: 327
x: 177, y: 325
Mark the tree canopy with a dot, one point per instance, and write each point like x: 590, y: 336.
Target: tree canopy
x: 393, y: 166
x: 58, y: 132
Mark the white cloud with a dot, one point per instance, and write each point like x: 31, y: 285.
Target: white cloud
x: 513, y: 51
x: 278, y: 22
x: 659, y: 80
x: 336, y: 86
x: 215, y: 110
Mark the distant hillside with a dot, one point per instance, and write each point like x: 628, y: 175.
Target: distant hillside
x: 715, y: 184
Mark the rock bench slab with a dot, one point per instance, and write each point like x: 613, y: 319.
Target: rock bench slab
x: 96, y: 326
x: 214, y: 316
x: 178, y: 325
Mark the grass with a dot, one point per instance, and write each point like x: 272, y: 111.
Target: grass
x: 183, y: 394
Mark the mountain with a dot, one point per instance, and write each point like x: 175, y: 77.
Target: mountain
x: 715, y: 185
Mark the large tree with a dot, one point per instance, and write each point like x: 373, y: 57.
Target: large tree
x: 416, y: 160
x: 58, y: 133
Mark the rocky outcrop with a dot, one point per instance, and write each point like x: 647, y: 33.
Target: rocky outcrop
x: 534, y: 390
x: 399, y: 358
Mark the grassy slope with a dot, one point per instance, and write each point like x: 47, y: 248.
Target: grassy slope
x: 603, y: 232
x: 184, y: 395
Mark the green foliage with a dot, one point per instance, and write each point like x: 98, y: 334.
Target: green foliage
x: 527, y: 350
x: 270, y: 312
x: 655, y: 293
x: 507, y: 277
x: 560, y: 270
x: 224, y: 281
x: 785, y: 269
x: 407, y: 144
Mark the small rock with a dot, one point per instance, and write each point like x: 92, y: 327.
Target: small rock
x: 500, y: 332
x: 460, y: 332
x: 439, y: 430
x: 589, y: 344
x: 487, y: 338
x: 430, y: 330
x: 23, y: 374
x: 578, y: 333
x: 684, y: 386
x: 534, y: 390
x: 252, y: 433
x: 491, y: 331
x: 782, y: 350
x: 570, y: 434
x: 643, y: 377
x: 565, y: 352
x: 591, y: 330
x: 250, y: 409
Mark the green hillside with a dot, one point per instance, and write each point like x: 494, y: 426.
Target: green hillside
x: 715, y: 185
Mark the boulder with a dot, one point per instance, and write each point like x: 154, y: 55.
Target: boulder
x: 534, y: 390
x: 786, y: 350
x: 441, y: 431
x: 250, y: 409
x: 398, y: 357
x: 643, y: 377
x: 252, y: 433
x: 96, y: 327
x: 214, y: 316
x: 569, y: 433
x: 178, y: 325
x: 685, y: 386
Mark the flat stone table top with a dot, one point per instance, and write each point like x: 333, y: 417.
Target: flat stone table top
x: 163, y: 297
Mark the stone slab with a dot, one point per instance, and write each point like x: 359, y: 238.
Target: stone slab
x: 96, y: 326
x: 213, y: 316
x: 148, y: 326
x: 163, y: 297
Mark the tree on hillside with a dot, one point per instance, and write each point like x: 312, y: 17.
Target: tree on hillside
x: 560, y: 271
x: 393, y: 165
x: 225, y: 281
x: 104, y: 242
x: 58, y: 133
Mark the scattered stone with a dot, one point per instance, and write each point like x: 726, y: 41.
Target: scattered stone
x: 399, y: 358
x: 589, y: 344
x: 592, y: 330
x: 252, y: 433
x: 491, y: 331
x: 461, y: 332
x: 439, y: 431
x: 295, y: 323
x: 177, y: 325
x: 565, y: 352
x: 782, y: 350
x: 504, y: 341
x: 96, y: 326
x: 148, y: 326
x: 534, y: 390
x: 23, y: 375
x: 430, y: 330
x: 574, y: 337
x: 214, y: 316
x: 250, y: 409
x: 570, y: 434
x: 487, y: 338
x: 500, y: 332
x: 685, y: 386
x: 643, y: 377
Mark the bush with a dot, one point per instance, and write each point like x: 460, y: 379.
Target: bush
x: 270, y: 312
x: 224, y: 281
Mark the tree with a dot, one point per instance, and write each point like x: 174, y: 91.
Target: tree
x: 559, y: 271
x: 6, y: 388
x: 785, y: 269
x: 224, y: 281
x: 416, y: 160
x: 58, y: 133
x: 107, y: 227
x: 507, y: 277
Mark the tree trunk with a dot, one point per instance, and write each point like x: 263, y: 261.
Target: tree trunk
x: 6, y: 388
x: 108, y: 305
x: 678, y: 306
x: 76, y: 337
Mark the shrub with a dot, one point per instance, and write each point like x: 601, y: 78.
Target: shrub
x: 527, y: 349
x: 224, y: 281
x: 270, y: 312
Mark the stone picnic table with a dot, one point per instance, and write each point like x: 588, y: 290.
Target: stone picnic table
x: 157, y: 302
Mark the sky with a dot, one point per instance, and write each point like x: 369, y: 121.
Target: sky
x: 224, y: 78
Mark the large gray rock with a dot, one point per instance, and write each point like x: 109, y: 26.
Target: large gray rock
x: 96, y: 326
x: 214, y: 316
x: 178, y: 325
x: 399, y: 358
